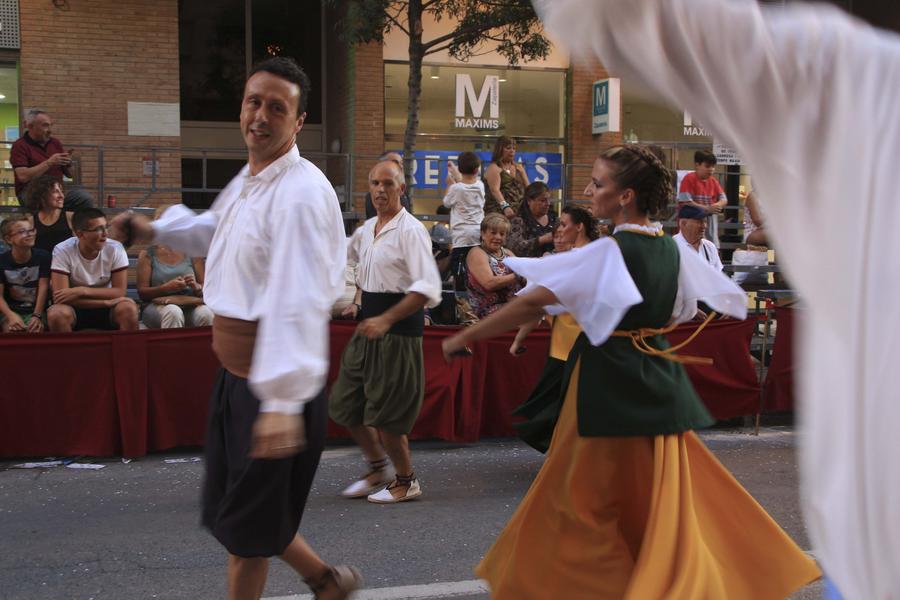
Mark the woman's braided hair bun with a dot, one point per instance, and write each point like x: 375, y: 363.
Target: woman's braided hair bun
x: 640, y: 169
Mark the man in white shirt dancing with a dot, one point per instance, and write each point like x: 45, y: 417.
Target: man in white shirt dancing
x: 275, y: 247
x: 381, y: 384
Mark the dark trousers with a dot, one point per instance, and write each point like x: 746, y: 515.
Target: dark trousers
x: 253, y: 507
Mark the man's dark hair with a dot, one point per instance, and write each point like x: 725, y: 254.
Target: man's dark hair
x: 705, y: 157
x: 287, y: 68
x: 81, y: 217
x: 468, y: 163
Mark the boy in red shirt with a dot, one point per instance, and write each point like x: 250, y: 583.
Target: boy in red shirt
x: 702, y: 190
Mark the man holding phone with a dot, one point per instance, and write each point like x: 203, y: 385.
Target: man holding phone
x: 37, y: 152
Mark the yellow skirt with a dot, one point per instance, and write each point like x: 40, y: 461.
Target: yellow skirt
x: 642, y: 518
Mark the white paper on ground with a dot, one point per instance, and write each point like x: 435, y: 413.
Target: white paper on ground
x: 91, y: 466
x: 39, y: 465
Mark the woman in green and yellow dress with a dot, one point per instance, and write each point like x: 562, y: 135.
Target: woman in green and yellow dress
x: 629, y: 502
x: 577, y: 228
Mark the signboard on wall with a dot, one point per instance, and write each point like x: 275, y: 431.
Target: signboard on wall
x: 430, y: 167
x: 607, y: 106
x: 725, y: 155
x: 488, y: 97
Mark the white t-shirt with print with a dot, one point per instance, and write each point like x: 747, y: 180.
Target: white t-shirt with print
x: 89, y: 273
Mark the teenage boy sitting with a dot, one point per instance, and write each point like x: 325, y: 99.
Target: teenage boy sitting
x: 89, y: 276
x: 702, y: 190
x: 24, y: 278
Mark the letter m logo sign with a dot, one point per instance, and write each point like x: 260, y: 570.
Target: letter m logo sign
x: 465, y: 90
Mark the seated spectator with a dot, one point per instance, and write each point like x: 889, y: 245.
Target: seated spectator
x: 441, y: 249
x: 754, y: 224
x: 531, y: 230
x: 89, y: 278
x: 703, y: 191
x: 24, y: 278
x: 78, y: 197
x: 560, y: 243
x: 465, y: 199
x: 692, y: 222
x: 44, y: 198
x: 490, y: 283
x: 172, y: 284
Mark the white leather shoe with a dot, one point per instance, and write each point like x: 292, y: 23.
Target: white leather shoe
x: 386, y: 497
x: 362, y: 487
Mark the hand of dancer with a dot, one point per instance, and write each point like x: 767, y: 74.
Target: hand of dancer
x: 374, y: 328
x: 454, y: 347
x: 277, y: 435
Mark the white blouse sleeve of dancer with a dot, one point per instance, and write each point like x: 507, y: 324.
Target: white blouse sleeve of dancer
x: 184, y: 230
x: 698, y: 280
x: 592, y: 283
x: 306, y: 277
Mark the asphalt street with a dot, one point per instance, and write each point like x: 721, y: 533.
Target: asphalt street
x: 131, y: 531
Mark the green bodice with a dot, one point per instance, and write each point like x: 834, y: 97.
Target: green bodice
x: 624, y: 392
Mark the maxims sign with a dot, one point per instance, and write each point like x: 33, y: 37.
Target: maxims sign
x: 488, y: 97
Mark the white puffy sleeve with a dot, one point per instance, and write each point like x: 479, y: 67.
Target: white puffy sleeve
x: 592, y: 283
x: 305, y: 278
x: 698, y: 280
x: 423, y: 272
x: 184, y: 230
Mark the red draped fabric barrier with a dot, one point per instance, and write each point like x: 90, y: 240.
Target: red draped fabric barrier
x: 730, y: 386
x: 779, y: 384
x: 130, y: 393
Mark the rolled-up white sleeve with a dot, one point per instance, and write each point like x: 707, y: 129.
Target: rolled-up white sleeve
x: 184, y: 230
x: 290, y: 359
x: 423, y: 271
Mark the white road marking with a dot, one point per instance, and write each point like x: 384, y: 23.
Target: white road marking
x: 447, y: 589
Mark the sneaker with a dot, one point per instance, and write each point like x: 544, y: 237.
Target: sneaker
x: 380, y: 474
x: 386, y: 497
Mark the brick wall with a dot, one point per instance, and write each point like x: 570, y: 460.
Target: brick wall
x: 368, y: 115
x: 583, y: 146
x: 85, y: 62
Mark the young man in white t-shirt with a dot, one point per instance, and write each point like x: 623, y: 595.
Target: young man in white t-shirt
x: 465, y: 199
x: 89, y: 277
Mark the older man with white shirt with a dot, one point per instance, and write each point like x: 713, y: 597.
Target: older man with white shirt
x: 379, y: 390
x: 692, y: 223
x: 275, y: 247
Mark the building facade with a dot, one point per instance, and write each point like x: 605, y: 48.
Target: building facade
x: 149, y: 95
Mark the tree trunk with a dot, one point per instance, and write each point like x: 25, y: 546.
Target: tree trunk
x: 414, y: 85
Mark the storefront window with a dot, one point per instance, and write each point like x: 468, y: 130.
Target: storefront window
x: 467, y: 108
x: 213, y: 51
x: 10, y: 120
x: 292, y: 28
x: 211, y: 37
x: 465, y: 101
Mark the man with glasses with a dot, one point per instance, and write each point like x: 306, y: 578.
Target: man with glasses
x: 24, y: 278
x: 89, y: 277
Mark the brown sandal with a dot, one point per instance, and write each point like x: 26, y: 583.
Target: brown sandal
x: 341, y: 580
